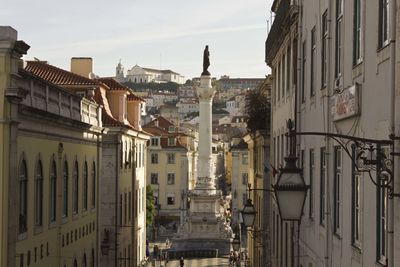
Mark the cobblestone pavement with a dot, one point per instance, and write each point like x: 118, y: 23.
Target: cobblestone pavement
x: 213, y: 262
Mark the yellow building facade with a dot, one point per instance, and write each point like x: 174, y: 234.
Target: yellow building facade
x: 122, y: 187
x: 259, y: 173
x: 171, y: 161
x: 49, y: 164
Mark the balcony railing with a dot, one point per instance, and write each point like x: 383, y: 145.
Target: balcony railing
x: 284, y: 18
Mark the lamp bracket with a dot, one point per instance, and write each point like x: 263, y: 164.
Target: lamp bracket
x: 362, y: 152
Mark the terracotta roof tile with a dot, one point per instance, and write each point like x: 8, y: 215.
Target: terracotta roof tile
x: 56, y: 75
x: 162, y: 123
x: 113, y: 85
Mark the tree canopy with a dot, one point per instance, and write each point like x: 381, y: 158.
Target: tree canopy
x: 258, y: 108
x: 150, y: 207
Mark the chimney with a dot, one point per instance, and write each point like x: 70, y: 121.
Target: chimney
x: 82, y: 66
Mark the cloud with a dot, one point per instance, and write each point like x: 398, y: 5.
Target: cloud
x: 106, y: 44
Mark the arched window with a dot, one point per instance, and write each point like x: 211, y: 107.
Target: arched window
x: 75, y: 263
x: 23, y: 197
x: 94, y: 185
x: 75, y: 180
x: 93, y: 259
x: 121, y: 154
x: 84, y: 261
x: 126, y: 154
x: 85, y: 186
x: 53, y: 191
x: 65, y: 189
x: 130, y: 156
x: 39, y: 193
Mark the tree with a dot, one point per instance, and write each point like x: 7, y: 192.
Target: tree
x: 150, y: 207
x: 258, y: 107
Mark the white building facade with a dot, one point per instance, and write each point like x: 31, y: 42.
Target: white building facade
x: 334, y: 72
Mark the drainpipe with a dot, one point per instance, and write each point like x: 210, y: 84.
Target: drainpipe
x: 97, y: 202
x: 297, y: 114
x: 117, y: 160
x: 395, y: 130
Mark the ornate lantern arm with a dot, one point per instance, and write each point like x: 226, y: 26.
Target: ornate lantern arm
x: 360, y: 142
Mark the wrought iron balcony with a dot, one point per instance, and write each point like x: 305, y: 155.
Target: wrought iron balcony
x: 285, y: 15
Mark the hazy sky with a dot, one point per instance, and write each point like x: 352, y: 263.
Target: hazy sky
x: 167, y: 34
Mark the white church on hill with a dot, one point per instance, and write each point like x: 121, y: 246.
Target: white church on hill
x: 145, y: 75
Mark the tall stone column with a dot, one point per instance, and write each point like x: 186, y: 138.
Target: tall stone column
x: 205, y: 175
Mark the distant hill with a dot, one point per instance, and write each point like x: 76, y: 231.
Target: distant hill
x: 169, y: 86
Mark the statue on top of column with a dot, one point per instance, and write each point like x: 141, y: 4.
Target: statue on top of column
x: 206, y: 61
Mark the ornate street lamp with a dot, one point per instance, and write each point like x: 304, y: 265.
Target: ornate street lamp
x: 248, y: 214
x: 290, y: 190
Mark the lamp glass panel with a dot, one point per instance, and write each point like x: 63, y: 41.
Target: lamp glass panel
x: 248, y: 215
x: 290, y: 178
x: 290, y: 203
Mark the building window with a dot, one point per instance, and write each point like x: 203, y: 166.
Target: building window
x: 121, y: 154
x: 278, y: 80
x: 355, y: 207
x: 303, y: 72
x: 171, y: 141
x: 92, y: 261
x: 94, y: 185
x: 244, y: 199
x: 120, y: 209
x: 75, y: 179
x: 154, y: 178
x: 65, y: 189
x: 312, y: 171
x: 154, y: 158
x: 171, y: 158
x: 313, y: 58
x: 130, y: 156
x: 283, y: 87
x: 288, y: 64
x: 170, y: 199
x: 322, y: 194
x: 85, y: 186
x: 39, y: 194
x: 130, y: 206
x: 53, y: 191
x: 383, y: 23
x: 245, y: 159
x: 23, y: 198
x: 125, y: 160
x: 245, y: 179
x: 324, y: 52
x: 125, y: 208
x: 357, y: 33
x: 336, y: 190
x: 154, y: 141
x: 338, y: 48
x: 171, y: 178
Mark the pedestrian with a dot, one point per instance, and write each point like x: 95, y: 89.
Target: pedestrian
x: 155, y: 252
x: 181, y: 262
